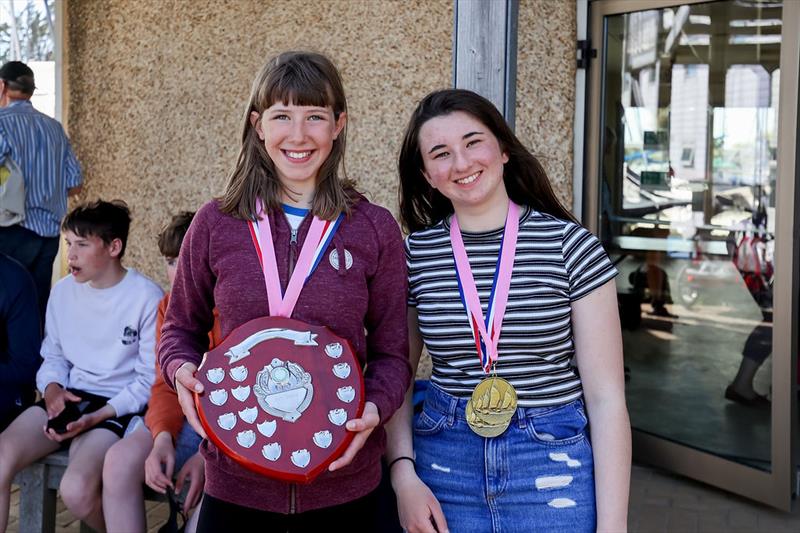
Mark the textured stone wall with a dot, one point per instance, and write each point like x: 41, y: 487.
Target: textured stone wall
x: 546, y: 86
x: 157, y: 88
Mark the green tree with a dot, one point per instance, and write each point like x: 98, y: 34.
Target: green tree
x: 36, y: 41
x: 34, y: 31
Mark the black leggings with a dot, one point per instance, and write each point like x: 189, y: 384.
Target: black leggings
x: 357, y: 516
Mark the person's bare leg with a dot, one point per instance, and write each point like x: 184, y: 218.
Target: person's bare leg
x: 22, y: 443
x: 82, y: 482
x: 756, y: 349
x: 743, y: 382
x: 123, y: 477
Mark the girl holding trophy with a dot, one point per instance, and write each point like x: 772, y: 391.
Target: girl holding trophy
x: 352, y: 279
x: 517, y: 307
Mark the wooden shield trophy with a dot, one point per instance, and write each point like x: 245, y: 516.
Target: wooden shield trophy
x: 277, y: 395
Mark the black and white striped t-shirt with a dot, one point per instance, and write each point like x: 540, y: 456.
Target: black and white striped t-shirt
x: 556, y: 263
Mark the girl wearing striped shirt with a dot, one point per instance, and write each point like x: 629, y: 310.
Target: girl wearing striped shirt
x: 502, y: 442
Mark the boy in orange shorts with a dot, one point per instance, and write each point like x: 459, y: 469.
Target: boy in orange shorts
x: 165, y: 443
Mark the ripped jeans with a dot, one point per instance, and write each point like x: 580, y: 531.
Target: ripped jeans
x: 537, y: 476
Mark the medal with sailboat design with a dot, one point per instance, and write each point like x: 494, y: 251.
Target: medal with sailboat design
x: 491, y: 407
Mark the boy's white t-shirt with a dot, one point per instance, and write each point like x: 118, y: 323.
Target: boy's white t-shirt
x: 102, y: 341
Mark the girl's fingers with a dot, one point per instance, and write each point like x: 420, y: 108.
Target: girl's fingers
x: 179, y: 481
x: 190, y: 411
x: 169, y: 465
x: 369, y: 419
x: 438, y: 516
x: 362, y: 424
x: 185, y: 383
x: 347, y: 457
x: 161, y: 482
x: 185, y: 376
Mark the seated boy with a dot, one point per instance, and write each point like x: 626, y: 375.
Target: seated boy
x: 20, y: 339
x: 98, y: 362
x: 169, y: 440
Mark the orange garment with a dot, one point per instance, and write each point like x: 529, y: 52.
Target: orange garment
x: 163, y: 410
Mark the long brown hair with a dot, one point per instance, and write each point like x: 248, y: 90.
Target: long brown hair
x: 304, y: 79
x: 525, y: 179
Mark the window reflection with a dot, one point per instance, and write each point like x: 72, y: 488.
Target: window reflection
x: 687, y: 210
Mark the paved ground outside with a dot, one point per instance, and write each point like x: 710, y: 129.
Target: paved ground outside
x: 660, y: 502
x: 664, y: 502
x: 157, y: 514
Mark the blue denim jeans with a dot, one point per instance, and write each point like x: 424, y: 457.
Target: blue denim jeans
x: 186, y: 445
x: 537, y: 476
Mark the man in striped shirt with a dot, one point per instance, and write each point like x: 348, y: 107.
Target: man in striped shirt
x: 38, y: 144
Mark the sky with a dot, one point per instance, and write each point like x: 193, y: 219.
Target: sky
x: 19, y: 5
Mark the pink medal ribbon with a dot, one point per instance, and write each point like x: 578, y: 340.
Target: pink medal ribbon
x: 487, y: 332
x: 317, y: 240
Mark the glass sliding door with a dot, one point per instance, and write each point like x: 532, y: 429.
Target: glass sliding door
x: 691, y: 171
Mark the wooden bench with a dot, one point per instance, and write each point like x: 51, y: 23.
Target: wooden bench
x: 38, y: 492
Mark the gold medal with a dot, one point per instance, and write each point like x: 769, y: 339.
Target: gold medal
x: 491, y: 407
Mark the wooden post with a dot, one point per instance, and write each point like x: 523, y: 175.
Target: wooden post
x: 485, y: 51
x: 37, y: 502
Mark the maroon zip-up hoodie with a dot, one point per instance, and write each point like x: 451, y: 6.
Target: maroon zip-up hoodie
x: 366, y: 304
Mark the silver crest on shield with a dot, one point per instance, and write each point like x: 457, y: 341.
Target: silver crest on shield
x: 271, y: 451
x: 226, y: 421
x: 248, y: 415
x: 334, y: 350
x: 218, y: 397
x: 246, y: 438
x: 346, y: 394
x: 267, y: 427
x: 241, y: 393
x: 301, y: 458
x: 284, y: 389
x: 323, y: 438
x: 238, y: 373
x: 341, y: 370
x: 337, y: 416
x: 215, y: 375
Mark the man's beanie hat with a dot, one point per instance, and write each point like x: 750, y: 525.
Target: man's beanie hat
x: 18, y: 74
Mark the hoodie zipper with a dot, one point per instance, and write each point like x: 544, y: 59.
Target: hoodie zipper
x: 292, y: 260
x: 292, y: 252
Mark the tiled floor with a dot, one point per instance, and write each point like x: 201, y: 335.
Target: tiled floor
x: 660, y: 502
x: 663, y: 502
x: 680, y: 366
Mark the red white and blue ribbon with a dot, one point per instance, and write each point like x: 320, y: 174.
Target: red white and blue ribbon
x: 486, y: 332
x: 317, y: 239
